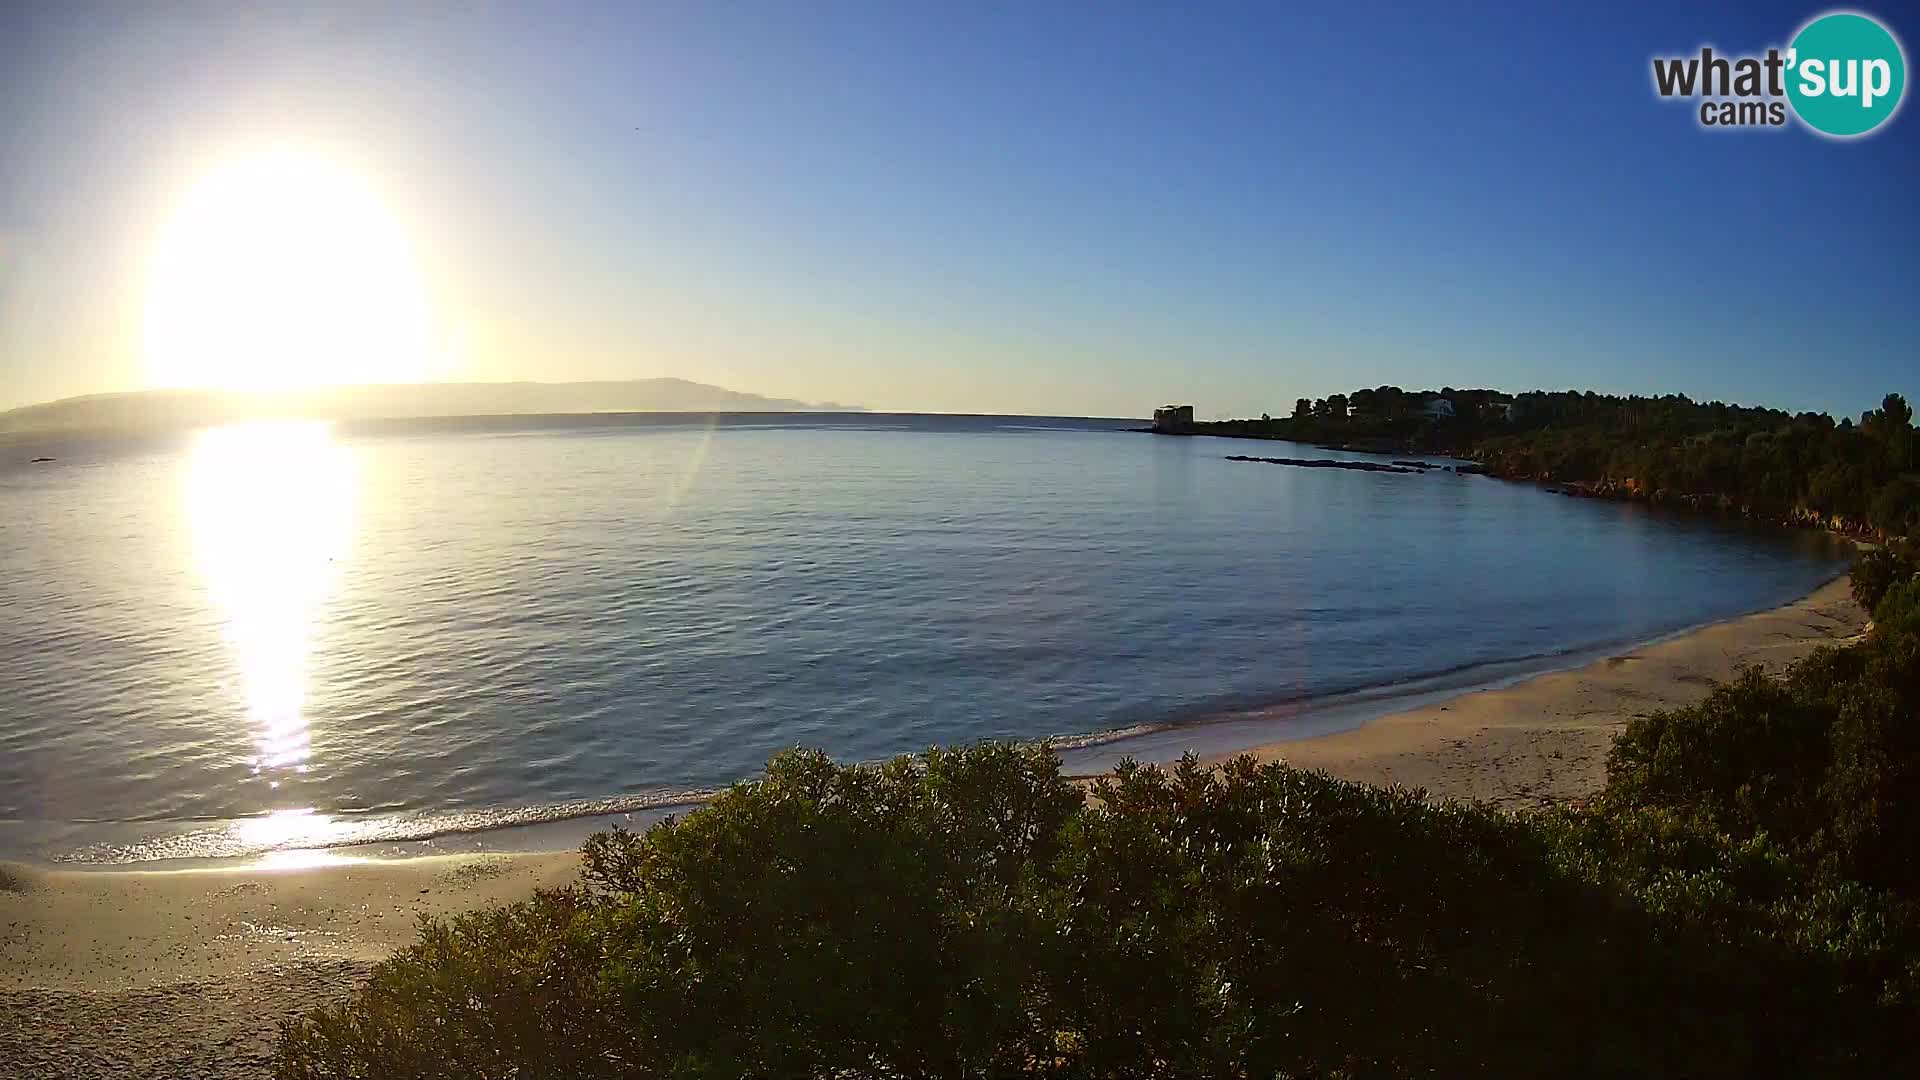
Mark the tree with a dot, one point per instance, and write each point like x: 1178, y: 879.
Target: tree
x: 1895, y: 510
x: 1337, y: 406
x: 1898, y: 418
x: 1898, y: 413
x: 1302, y: 408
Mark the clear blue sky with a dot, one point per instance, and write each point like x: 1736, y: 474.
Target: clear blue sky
x: 1027, y: 207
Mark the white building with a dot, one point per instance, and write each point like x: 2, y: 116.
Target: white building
x: 1438, y: 407
x: 1168, y: 418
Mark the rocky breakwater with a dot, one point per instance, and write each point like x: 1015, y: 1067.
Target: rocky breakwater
x: 1356, y: 466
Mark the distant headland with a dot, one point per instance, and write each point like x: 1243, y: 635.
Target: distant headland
x: 1857, y: 477
x: 161, y: 410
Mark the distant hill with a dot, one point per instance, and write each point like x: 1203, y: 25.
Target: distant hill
x: 151, y: 410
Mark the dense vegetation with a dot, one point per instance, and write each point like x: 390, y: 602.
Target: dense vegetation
x: 1879, y: 569
x: 1741, y: 900
x: 1658, y: 448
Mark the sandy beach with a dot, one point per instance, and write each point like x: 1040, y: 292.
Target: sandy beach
x: 188, y: 973
x: 1545, y: 740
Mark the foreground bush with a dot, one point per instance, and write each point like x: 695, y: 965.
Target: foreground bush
x: 1824, y: 762
x: 968, y: 913
x: 824, y: 919
x: 1878, y: 569
x: 1898, y: 612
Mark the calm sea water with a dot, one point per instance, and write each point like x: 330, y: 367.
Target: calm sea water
x: 284, y: 635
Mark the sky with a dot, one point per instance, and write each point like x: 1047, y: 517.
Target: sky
x: 973, y: 207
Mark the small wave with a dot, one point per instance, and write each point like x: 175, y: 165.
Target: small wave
x: 305, y: 830
x: 1360, y: 700
x: 297, y: 830
x: 1099, y: 738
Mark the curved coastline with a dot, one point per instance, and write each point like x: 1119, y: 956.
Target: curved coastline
x: 1216, y: 736
x: 1451, y: 732
x: 273, y: 936
x: 1544, y: 739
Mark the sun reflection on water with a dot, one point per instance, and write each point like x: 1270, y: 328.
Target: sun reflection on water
x: 303, y: 859
x: 270, y: 506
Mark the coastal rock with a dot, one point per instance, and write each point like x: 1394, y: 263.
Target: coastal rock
x: 1777, y: 512
x: 1324, y: 463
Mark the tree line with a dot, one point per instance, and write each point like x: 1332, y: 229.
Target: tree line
x: 1657, y: 447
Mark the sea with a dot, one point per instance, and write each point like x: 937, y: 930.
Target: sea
x: 435, y: 634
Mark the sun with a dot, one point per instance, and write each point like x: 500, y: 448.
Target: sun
x: 282, y: 270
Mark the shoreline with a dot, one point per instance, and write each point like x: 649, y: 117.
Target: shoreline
x: 188, y: 972
x: 1213, y: 736
x: 1544, y: 739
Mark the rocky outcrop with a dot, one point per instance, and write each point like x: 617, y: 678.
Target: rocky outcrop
x: 1324, y: 463
x: 1778, y: 512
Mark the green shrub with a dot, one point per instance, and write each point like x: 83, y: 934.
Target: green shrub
x: 1873, y: 786
x: 1272, y: 922
x: 1898, y: 611
x: 1878, y: 569
x: 970, y: 914
x: 511, y: 992
x: 1896, y: 508
x: 1746, y: 761
x: 829, y: 919
x: 823, y: 921
x: 1824, y: 761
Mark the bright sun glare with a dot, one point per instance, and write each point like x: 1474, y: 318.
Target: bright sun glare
x: 270, y: 506
x: 283, y: 270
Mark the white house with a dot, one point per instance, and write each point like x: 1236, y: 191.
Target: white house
x: 1437, y: 407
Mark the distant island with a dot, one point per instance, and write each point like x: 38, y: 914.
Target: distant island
x: 160, y: 410
x: 1860, y: 477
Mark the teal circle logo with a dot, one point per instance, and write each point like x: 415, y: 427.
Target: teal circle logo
x: 1845, y: 74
